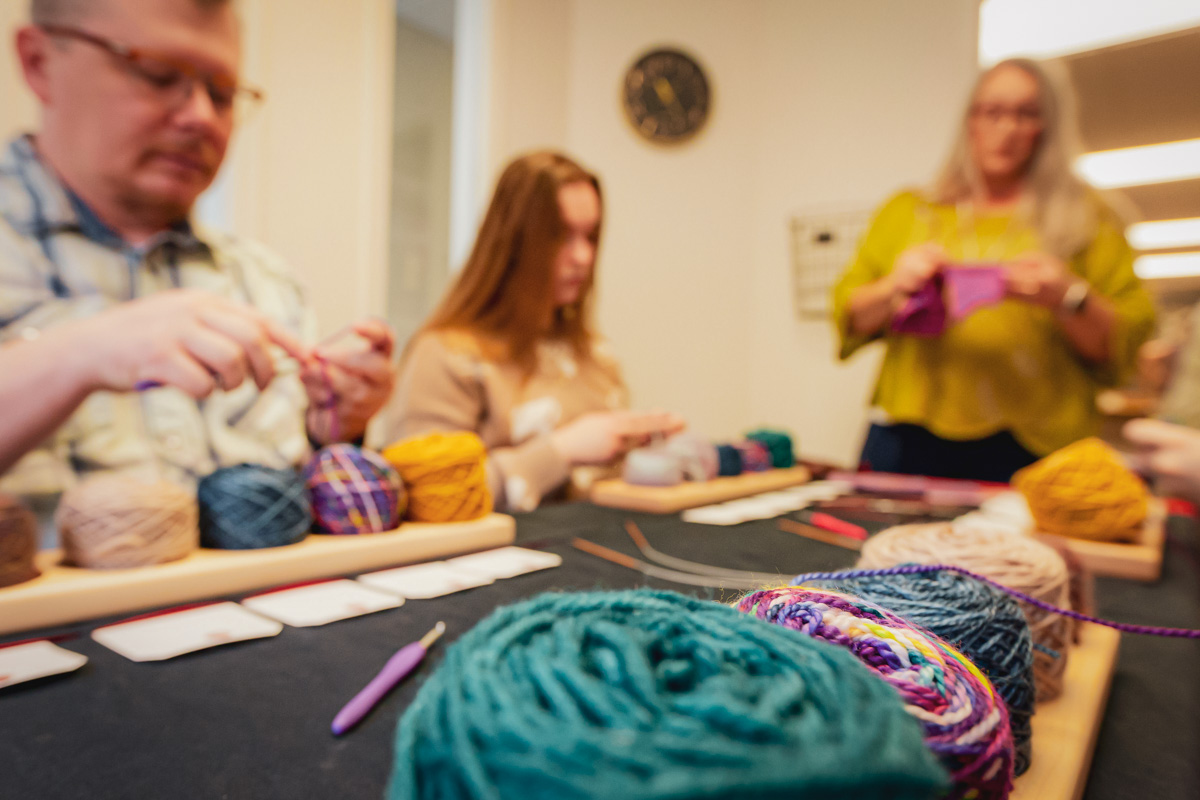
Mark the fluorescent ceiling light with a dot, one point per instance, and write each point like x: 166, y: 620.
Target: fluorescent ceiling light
x: 1131, y: 166
x: 1168, y: 265
x: 1048, y: 28
x: 1164, y: 234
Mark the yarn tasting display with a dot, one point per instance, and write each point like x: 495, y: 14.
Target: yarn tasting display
x: 1085, y: 491
x: 18, y: 542
x: 949, y: 296
x: 1011, y: 560
x: 965, y: 721
x: 983, y: 623
x: 353, y: 491
x: 445, y: 474
x: 248, y: 507
x: 115, y: 521
x: 653, y: 695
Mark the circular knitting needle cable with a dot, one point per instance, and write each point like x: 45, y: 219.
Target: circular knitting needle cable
x: 682, y: 564
x: 686, y: 578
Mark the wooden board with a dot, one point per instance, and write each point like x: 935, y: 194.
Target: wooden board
x: 1065, y: 729
x: 1140, y: 560
x: 691, y: 494
x: 68, y: 594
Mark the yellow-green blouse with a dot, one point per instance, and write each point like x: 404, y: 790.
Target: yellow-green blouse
x: 1007, y: 366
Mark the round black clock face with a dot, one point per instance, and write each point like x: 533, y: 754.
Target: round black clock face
x: 666, y: 96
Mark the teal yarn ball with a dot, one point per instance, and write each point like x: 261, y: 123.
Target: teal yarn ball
x: 778, y: 444
x: 653, y: 695
x: 249, y: 506
x: 984, y: 624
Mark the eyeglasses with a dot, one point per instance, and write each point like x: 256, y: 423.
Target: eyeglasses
x: 171, y: 78
x: 1022, y: 116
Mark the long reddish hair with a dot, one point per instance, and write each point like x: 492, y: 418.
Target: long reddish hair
x: 504, y: 296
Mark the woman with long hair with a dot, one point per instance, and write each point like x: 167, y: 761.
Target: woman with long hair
x: 510, y: 353
x: 1017, y: 379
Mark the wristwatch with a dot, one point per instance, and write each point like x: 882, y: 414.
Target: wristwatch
x: 1076, y: 297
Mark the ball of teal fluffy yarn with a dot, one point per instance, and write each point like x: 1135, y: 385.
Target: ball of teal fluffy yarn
x: 985, y: 624
x: 248, y: 507
x: 653, y: 695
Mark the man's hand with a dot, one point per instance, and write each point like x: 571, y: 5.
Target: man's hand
x: 348, y: 380
x: 1170, y: 453
x: 603, y: 436
x: 189, y: 339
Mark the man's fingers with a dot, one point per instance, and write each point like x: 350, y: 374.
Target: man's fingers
x: 248, y: 330
x: 184, y: 373
x: 1155, y: 433
x: 378, y: 333
x: 220, y: 355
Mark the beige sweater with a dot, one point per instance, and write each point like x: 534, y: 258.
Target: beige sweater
x: 447, y: 385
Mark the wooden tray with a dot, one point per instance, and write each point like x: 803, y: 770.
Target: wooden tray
x: 1140, y: 560
x: 669, y: 499
x: 1065, y: 729
x: 68, y: 594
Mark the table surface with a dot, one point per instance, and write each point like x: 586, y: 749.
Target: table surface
x: 251, y: 720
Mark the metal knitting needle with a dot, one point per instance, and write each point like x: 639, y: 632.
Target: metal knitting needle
x: 759, y: 578
x: 688, y: 579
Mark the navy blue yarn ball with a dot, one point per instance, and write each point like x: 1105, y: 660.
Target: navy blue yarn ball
x: 729, y: 460
x: 249, y: 507
x: 984, y: 624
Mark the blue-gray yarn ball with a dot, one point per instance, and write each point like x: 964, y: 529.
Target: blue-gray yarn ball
x: 249, y: 506
x: 653, y: 695
x: 984, y: 624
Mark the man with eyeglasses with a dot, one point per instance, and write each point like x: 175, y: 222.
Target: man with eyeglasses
x: 126, y: 334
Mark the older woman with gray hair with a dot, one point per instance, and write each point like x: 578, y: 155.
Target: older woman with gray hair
x: 1004, y: 294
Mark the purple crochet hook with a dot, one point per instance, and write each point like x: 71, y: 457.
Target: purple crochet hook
x: 398, y: 666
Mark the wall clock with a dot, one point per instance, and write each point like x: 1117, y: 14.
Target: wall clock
x: 666, y: 96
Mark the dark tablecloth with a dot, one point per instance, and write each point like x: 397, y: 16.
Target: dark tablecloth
x: 251, y: 720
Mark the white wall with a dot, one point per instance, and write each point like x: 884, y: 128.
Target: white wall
x: 816, y: 105
x: 308, y: 175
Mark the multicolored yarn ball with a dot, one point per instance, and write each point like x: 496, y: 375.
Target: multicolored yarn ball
x: 729, y: 460
x: 1085, y: 490
x: 652, y: 466
x: 755, y: 455
x: 446, y: 476
x: 984, y: 624
x: 965, y: 720
x: 697, y: 456
x: 116, y: 521
x: 353, y: 491
x: 249, y: 507
x: 653, y: 695
x: 778, y: 443
x: 18, y: 542
x: 1018, y: 562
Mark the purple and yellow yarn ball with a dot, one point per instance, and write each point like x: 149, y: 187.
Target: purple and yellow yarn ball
x: 353, y: 491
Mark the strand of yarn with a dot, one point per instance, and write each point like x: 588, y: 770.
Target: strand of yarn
x: 916, y: 569
x: 982, y: 622
x: 248, y: 506
x: 116, y: 521
x: 1084, y: 490
x: 353, y: 491
x: 1011, y: 560
x: 18, y: 542
x: 965, y: 722
x: 653, y: 695
x: 778, y: 443
x: 446, y: 476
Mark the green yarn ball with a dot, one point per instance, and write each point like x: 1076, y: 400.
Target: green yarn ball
x: 649, y: 694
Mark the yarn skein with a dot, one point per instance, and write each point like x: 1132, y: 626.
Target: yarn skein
x: 652, y: 466
x: 965, y: 721
x: 446, y: 476
x: 983, y: 623
x: 755, y: 455
x: 778, y: 444
x: 116, y: 521
x: 353, y: 491
x: 1084, y: 490
x: 248, y: 507
x: 18, y: 542
x: 697, y: 456
x: 653, y: 695
x: 1009, y: 559
x: 729, y: 461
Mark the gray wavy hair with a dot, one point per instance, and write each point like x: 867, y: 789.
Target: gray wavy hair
x: 1062, y: 209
